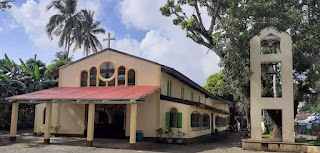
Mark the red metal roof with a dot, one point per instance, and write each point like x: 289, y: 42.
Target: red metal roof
x: 302, y: 116
x: 88, y: 93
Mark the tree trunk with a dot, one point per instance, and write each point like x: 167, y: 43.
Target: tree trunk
x: 276, y: 116
x: 276, y: 132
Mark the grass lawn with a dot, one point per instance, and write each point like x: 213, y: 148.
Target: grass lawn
x: 266, y: 135
x: 313, y: 142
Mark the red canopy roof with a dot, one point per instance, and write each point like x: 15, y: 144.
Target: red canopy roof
x: 88, y: 93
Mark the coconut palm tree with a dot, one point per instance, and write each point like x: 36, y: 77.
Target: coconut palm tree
x: 62, y: 23
x: 85, y: 31
x: 62, y: 56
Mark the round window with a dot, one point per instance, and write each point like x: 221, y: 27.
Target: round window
x: 107, y: 70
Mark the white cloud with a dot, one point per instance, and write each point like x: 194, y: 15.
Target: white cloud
x: 93, y: 5
x: 1, y: 29
x: 164, y: 42
x: 128, y: 45
x: 33, y: 17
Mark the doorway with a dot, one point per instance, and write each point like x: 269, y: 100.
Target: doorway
x: 109, y: 121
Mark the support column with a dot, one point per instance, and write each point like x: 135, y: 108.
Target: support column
x: 14, y: 120
x: 47, y: 129
x: 133, y: 125
x: 35, y: 129
x: 90, y: 129
x: 58, y: 114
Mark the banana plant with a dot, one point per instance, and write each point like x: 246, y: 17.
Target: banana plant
x: 34, y: 73
x: 11, y: 79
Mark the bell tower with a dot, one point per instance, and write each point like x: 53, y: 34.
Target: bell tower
x: 271, y: 61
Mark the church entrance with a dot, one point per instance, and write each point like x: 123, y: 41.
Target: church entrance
x: 109, y: 121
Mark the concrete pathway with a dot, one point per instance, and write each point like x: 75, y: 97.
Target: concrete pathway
x: 27, y: 143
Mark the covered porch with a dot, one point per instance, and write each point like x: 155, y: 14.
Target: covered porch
x: 92, y: 96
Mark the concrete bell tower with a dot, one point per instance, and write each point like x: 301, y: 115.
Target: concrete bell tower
x: 284, y: 103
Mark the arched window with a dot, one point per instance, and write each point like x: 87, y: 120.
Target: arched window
x: 217, y: 121
x: 107, y: 70
x: 121, y: 76
x: 44, y: 116
x: 93, y: 77
x: 131, y: 78
x: 270, y: 45
x: 195, y: 120
x: 205, y: 121
x: 84, y: 78
x: 174, y: 118
x: 112, y: 83
x: 102, y: 83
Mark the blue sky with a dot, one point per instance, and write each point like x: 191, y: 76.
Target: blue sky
x: 137, y: 25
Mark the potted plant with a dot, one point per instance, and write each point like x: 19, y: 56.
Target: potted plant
x: 170, y: 135
x: 160, y: 132
x: 56, y: 130
x: 180, y: 136
x: 139, y: 135
x: 39, y: 130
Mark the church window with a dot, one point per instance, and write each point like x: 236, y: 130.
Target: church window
x: 131, y: 78
x: 169, y: 87
x: 195, y: 120
x: 199, y: 98
x: 112, y: 83
x: 93, y: 76
x: 102, y: 83
x: 191, y: 96
x: 182, y: 92
x: 205, y: 121
x: 121, y: 76
x: 107, y: 70
x: 174, y: 118
x: 84, y: 78
x: 44, y: 116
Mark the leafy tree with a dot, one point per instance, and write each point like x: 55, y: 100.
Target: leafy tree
x: 5, y: 4
x: 30, y: 63
x: 233, y: 23
x: 55, y: 66
x: 62, y: 24
x: 62, y: 56
x: 10, y: 79
x: 86, y: 31
x: 218, y: 86
x: 74, y: 27
x: 19, y: 79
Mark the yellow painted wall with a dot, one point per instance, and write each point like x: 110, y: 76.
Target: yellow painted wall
x: 146, y: 116
x: 197, y: 133
x: 221, y: 115
x: 71, y: 120
x: 39, y: 126
x: 165, y: 106
x: 176, y: 92
x: 147, y: 74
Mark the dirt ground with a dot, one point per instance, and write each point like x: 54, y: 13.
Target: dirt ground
x: 27, y: 143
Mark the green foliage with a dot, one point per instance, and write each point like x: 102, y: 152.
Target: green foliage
x: 233, y: 23
x: 217, y: 85
x: 85, y: 31
x: 62, y: 56
x: 19, y: 79
x: 160, y: 132
x: 5, y: 4
x: 55, y: 66
x: 72, y: 27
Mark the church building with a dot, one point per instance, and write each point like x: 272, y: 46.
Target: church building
x: 112, y: 94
